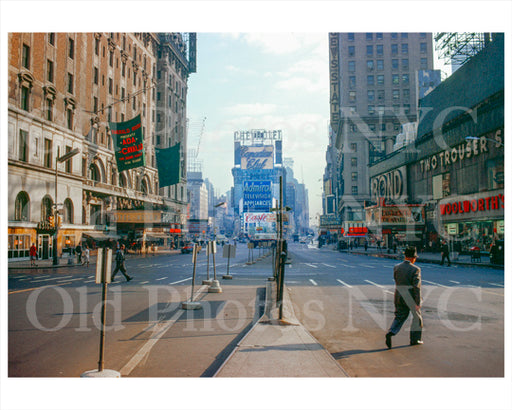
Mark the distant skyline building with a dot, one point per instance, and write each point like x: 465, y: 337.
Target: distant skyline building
x: 373, y: 91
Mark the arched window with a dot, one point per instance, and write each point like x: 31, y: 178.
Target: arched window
x: 68, y: 211
x: 144, y: 187
x: 46, y: 208
x: 95, y: 173
x: 22, y: 207
x: 123, y: 181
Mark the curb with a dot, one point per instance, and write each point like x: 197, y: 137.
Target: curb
x: 424, y: 260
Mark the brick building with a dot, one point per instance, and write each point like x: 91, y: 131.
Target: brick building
x: 63, y: 90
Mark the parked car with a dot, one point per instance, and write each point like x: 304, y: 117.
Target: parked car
x: 187, y: 248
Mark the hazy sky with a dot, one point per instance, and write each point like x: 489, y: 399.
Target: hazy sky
x: 261, y: 80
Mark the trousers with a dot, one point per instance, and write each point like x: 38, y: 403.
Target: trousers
x: 402, y: 310
x: 119, y: 267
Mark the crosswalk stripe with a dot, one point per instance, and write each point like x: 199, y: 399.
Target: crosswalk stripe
x: 343, y: 283
x: 434, y: 283
x: 496, y: 284
x: 165, y: 277
x: 329, y: 266
x: 179, y: 281
x: 379, y: 286
x: 454, y: 281
x: 310, y: 264
x: 313, y: 282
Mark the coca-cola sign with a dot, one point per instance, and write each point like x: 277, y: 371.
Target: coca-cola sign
x: 259, y: 217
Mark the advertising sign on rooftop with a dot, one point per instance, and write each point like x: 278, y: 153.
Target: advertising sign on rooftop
x: 257, y: 196
x: 257, y: 157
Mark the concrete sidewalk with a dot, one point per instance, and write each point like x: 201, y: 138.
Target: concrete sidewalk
x: 279, y: 348
x: 425, y: 257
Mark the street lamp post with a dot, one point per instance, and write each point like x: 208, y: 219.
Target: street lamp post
x: 58, y: 160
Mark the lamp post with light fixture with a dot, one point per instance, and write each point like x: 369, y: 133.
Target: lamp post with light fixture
x: 58, y: 160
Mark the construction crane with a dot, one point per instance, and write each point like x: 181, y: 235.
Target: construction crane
x: 194, y: 164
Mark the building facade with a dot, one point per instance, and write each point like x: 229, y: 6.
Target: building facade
x: 449, y: 183
x: 373, y: 92
x: 64, y: 89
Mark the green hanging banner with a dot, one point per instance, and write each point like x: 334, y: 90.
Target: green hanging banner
x: 169, y: 165
x: 128, y: 143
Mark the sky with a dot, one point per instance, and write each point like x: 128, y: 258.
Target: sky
x: 272, y: 81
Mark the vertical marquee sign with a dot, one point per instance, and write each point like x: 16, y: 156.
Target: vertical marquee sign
x: 128, y: 143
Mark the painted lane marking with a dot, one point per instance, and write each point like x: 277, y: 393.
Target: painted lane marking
x: 158, y: 331
x: 367, y: 266
x: 89, y: 281
x: 454, y: 281
x: 165, y: 277
x: 310, y: 264
x: 343, y: 283
x: 434, y: 283
x: 389, y: 266
x: 143, y: 283
x: 330, y: 266
x: 179, y: 281
x: 348, y: 266
x: 44, y: 280
x: 379, y: 286
x: 23, y: 290
x: 69, y: 280
x: 90, y: 277
x: 313, y: 282
x: 496, y: 284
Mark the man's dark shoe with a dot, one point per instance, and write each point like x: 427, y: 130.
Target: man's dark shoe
x: 128, y: 279
x: 417, y: 342
x: 388, y: 340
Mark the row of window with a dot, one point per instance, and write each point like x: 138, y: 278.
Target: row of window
x: 395, y: 126
x: 380, y: 36
x: 381, y: 95
x: 395, y: 65
x: 22, y: 208
x: 370, y: 80
x: 379, y: 49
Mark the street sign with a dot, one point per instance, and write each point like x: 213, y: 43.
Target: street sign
x: 229, y: 251
x: 213, y: 245
x: 99, y: 266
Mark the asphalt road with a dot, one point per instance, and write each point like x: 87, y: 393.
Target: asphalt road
x: 346, y: 301
x: 54, y: 317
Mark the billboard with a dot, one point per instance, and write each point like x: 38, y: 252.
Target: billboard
x: 257, y: 157
x: 392, y: 186
x: 257, y: 223
x: 257, y: 195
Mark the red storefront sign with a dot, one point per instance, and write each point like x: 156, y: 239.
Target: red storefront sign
x: 473, y: 205
x: 357, y: 231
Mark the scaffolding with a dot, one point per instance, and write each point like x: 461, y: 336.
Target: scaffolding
x: 457, y: 48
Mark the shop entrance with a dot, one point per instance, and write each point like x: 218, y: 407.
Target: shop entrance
x: 45, y: 246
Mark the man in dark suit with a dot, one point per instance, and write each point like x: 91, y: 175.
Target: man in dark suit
x: 445, y: 253
x: 407, y: 298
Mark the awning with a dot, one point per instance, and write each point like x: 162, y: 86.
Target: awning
x: 156, y: 236
x: 100, y: 236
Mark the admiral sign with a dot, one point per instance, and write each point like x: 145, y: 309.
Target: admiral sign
x: 257, y: 195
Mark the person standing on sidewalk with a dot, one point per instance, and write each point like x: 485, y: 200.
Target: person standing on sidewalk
x: 33, y: 255
x: 445, y: 253
x: 120, y: 265
x: 78, y: 251
x: 407, y: 298
x: 86, y: 254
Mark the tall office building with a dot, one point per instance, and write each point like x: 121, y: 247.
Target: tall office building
x: 373, y: 92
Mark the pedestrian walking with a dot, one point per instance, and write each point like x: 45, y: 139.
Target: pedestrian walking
x: 33, y: 255
x: 445, y: 253
x: 86, y: 254
x: 407, y: 298
x: 120, y: 257
x: 78, y: 252
x: 365, y: 246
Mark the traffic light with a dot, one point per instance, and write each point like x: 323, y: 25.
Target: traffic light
x: 51, y: 221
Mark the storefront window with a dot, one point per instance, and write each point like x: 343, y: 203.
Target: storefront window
x: 478, y: 233
x: 18, y: 246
